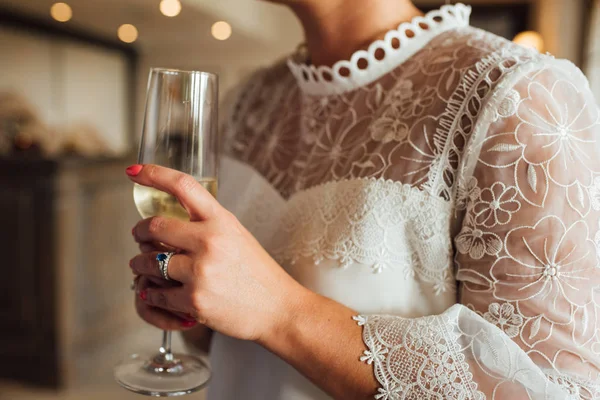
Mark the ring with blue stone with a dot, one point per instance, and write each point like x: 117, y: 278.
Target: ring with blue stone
x: 163, y: 264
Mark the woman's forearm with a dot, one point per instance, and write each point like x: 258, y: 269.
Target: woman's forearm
x: 319, y: 338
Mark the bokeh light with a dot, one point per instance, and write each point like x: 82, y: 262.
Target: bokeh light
x: 221, y: 30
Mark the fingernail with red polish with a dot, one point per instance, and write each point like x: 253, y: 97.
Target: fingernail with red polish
x: 133, y: 170
x: 188, y: 324
x: 144, y: 295
x: 130, y: 263
x: 132, y: 231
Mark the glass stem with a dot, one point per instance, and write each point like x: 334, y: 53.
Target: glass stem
x: 166, y: 346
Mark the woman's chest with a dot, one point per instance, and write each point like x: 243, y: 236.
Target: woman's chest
x: 385, y: 130
x: 372, y: 244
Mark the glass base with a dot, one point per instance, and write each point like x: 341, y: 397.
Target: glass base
x: 162, y: 376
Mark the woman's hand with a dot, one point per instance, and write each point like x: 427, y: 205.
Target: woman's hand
x: 228, y: 281
x: 165, y: 320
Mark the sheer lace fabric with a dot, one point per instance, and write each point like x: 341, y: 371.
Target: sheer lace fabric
x: 472, y: 161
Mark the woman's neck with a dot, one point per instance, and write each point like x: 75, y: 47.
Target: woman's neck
x: 335, y: 29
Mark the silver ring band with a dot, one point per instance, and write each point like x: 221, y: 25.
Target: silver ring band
x: 163, y: 264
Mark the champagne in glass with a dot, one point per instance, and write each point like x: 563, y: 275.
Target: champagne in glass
x: 180, y: 132
x: 151, y: 202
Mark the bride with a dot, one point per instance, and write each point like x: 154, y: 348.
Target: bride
x: 418, y: 221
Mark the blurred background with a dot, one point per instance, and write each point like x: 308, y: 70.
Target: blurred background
x: 72, y: 86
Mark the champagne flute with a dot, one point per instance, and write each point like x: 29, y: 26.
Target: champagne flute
x: 180, y: 132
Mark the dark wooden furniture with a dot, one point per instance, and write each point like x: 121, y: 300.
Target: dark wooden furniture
x: 27, y: 283
x: 64, y: 244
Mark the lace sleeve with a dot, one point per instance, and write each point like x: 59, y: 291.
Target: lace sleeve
x: 527, y: 325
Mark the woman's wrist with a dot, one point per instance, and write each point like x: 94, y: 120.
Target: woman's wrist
x: 292, y: 305
x: 301, y: 313
x: 318, y: 337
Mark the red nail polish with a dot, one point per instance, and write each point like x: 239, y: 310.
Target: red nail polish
x: 188, y: 324
x: 133, y: 170
x: 130, y: 263
x: 143, y: 295
x: 132, y: 231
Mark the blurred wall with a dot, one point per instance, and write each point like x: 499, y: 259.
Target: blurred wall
x: 561, y: 23
x: 68, y: 83
x: 592, y: 55
x: 269, y: 24
x: 262, y: 34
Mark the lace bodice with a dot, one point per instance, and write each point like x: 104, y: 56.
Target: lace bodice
x: 441, y: 154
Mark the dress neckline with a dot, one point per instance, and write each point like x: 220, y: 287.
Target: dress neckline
x: 381, y: 57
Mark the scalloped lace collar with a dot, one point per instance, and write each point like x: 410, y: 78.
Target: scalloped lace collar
x: 382, y: 56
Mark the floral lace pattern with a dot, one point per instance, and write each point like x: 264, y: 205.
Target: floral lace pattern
x: 538, y: 156
x: 390, y: 225
x: 446, y: 357
x: 429, y: 346
x: 471, y: 139
x: 504, y: 316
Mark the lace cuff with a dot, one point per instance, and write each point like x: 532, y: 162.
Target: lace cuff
x: 456, y: 355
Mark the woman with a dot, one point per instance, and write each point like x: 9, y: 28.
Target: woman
x: 355, y: 194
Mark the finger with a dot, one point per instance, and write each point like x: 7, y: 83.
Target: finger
x: 174, y: 233
x: 178, y: 267
x: 155, y: 316
x: 160, y: 282
x: 170, y: 299
x: 170, y: 231
x: 163, y: 319
x: 148, y: 247
x: 146, y: 281
x: 198, y: 202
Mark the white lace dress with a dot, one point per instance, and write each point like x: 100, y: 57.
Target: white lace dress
x: 445, y: 184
